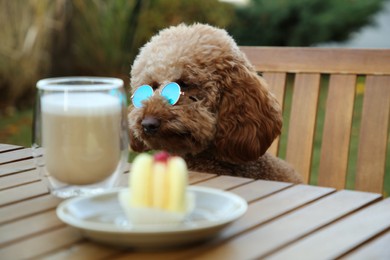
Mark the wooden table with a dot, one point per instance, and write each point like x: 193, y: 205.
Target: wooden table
x: 283, y: 221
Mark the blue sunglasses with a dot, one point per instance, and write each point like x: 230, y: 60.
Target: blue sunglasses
x: 170, y: 91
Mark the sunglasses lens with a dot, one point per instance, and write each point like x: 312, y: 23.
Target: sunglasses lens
x: 171, y: 92
x: 141, y: 93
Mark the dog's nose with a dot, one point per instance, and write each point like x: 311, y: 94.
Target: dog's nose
x: 150, y: 124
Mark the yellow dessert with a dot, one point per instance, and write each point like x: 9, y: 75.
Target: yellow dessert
x: 158, y: 190
x: 159, y: 182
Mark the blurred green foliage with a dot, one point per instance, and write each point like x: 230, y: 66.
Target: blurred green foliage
x: 158, y: 14
x: 103, y: 37
x: 96, y: 36
x: 301, y: 22
x: 16, y: 129
x: 24, y: 56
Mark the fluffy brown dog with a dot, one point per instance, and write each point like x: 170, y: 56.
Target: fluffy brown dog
x: 225, y: 119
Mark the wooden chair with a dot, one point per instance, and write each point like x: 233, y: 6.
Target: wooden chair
x: 335, y: 73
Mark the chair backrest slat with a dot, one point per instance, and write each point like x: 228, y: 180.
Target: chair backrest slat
x: 277, y: 84
x: 348, y: 118
x: 373, y: 139
x: 302, y: 122
x: 337, y: 129
x: 323, y: 60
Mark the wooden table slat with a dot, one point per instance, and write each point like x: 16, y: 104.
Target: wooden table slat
x: 199, y: 177
x: 15, y: 155
x: 18, y: 179
x: 224, y: 182
x: 28, y: 207
x: 343, y: 236
x: 276, y: 205
x: 33, y: 247
x: 8, y: 147
x: 29, y: 226
x: 15, y: 167
x: 376, y: 249
x: 265, y: 239
x: 23, y: 192
x: 257, y: 189
x: 84, y: 250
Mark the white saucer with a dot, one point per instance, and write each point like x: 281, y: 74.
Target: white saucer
x: 101, y: 218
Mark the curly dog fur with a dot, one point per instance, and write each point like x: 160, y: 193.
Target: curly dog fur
x: 227, y: 117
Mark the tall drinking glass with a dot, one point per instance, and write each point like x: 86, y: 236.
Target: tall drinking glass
x: 80, y: 134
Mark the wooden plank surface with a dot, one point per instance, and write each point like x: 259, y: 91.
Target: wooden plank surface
x: 15, y: 167
x: 283, y: 196
x: 302, y: 123
x: 280, y: 215
x: 28, y: 226
x: 8, y: 147
x: 84, y: 250
x: 276, y: 205
x: 375, y: 249
x: 15, y: 155
x: 224, y: 182
x: 18, y: 179
x: 342, y: 236
x: 33, y: 247
x: 319, y: 60
x: 373, y: 134
x: 257, y: 189
x: 199, y: 177
x: 23, y: 192
x: 337, y: 130
x: 277, y: 85
x: 264, y: 240
x: 28, y: 207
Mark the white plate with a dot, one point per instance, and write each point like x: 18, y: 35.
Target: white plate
x: 101, y: 218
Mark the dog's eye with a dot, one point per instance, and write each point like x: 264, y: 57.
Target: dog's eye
x: 183, y: 85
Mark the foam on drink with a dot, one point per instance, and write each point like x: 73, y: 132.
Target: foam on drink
x: 81, y: 136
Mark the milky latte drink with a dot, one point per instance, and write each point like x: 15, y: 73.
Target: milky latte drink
x: 81, y: 134
x: 80, y: 140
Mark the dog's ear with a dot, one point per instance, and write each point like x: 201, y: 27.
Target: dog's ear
x: 249, y: 117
